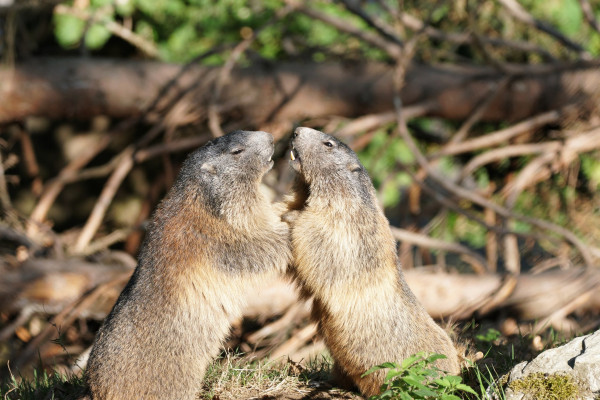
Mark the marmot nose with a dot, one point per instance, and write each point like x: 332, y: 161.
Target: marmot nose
x: 302, y: 131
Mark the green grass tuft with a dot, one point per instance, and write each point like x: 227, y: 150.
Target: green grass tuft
x: 43, y: 385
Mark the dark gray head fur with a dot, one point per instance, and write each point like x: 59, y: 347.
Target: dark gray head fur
x: 329, y: 167
x: 226, y: 167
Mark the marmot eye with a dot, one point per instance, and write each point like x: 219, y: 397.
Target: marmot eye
x: 236, y: 151
x: 328, y: 143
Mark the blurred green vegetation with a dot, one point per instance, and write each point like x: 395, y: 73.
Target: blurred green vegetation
x: 183, y: 29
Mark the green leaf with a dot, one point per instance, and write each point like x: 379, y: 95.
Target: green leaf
x: 412, y: 381
x: 392, y: 373
x: 465, y: 388
x: 443, y: 382
x: 410, y: 360
x: 68, y: 29
x: 405, y: 396
x: 125, y: 8
x: 100, y: 3
x: 425, y: 392
x: 434, y: 357
x: 450, y: 397
x: 96, y: 36
x: 371, y: 370
x: 453, y: 380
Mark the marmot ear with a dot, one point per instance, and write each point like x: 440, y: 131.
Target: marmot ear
x: 354, y: 167
x: 208, y: 168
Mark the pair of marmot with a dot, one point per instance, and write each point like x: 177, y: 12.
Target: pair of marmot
x: 215, y: 234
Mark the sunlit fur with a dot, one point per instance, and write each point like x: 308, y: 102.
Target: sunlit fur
x: 212, y: 238
x: 345, y: 256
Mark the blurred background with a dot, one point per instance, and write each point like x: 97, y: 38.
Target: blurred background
x: 478, y: 122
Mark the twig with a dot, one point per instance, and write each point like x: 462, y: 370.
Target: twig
x: 8, y: 330
x: 379, y: 26
x: 280, y: 323
x: 491, y: 241
x: 517, y: 11
x: 109, y: 191
x: 392, y: 49
x: 414, y: 23
x: 224, y: 74
x: 54, y: 187
x: 33, y: 169
x: 373, y: 121
x: 578, y: 144
x: 296, y: 341
x: 225, y: 71
x: 531, y: 174
x: 476, y: 198
x: 170, y: 147
x: 404, y: 236
x: 500, y: 136
x: 463, y: 131
x: 113, y: 27
x: 565, y: 310
x: 512, y: 256
x: 5, y: 202
x: 503, y: 153
x: 105, y: 242
x: 589, y: 15
x: 67, y: 316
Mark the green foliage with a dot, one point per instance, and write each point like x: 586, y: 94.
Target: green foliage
x: 96, y: 36
x: 68, y: 30
x: 182, y: 30
x: 459, y: 227
x: 590, y: 166
x: 380, y: 157
x: 417, y: 378
x: 490, y: 336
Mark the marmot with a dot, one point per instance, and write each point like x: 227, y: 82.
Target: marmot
x: 345, y: 256
x: 213, y: 236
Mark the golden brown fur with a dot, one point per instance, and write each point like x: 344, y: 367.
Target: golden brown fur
x: 211, y: 239
x: 345, y: 256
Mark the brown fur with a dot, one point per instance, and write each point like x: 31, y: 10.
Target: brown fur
x: 345, y: 256
x: 211, y: 238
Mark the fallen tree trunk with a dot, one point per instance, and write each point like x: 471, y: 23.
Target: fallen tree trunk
x: 81, y: 88
x: 64, y: 288
x: 444, y: 295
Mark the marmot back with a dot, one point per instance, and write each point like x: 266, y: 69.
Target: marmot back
x: 211, y: 238
x: 345, y: 256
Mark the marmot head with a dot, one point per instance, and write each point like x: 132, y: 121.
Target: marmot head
x: 227, y: 169
x: 328, y: 166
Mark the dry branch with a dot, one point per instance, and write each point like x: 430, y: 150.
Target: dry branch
x: 149, y: 48
x: 444, y: 295
x: 516, y: 10
x: 80, y: 88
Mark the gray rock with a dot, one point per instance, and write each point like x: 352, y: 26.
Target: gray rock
x: 576, y: 363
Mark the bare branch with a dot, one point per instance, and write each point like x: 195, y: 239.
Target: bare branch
x: 501, y: 136
x: 402, y: 235
x: 379, y: 26
x: 589, y: 15
x: 392, y: 49
x: 516, y: 10
x: 113, y: 27
x: 109, y: 191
